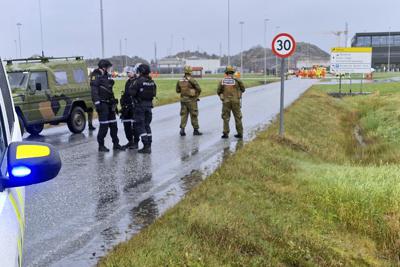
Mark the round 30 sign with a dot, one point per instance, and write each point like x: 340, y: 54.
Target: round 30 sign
x: 283, y: 45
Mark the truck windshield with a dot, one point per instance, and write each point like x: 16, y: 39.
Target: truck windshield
x: 18, y: 79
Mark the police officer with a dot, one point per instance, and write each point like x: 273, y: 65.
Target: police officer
x: 127, y: 109
x: 106, y: 105
x: 143, y: 92
x: 190, y: 92
x: 230, y: 91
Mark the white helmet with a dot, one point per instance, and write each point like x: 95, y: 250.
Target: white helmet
x: 135, y: 68
x: 130, y: 69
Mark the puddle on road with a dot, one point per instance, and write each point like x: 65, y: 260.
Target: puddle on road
x: 145, y: 212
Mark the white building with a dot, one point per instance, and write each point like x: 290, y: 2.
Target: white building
x: 208, y: 65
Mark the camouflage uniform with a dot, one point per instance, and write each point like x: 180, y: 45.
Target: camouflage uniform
x: 230, y: 91
x: 190, y: 92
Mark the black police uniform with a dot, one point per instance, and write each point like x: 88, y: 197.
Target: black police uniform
x: 103, y: 97
x: 127, y: 109
x: 143, y: 92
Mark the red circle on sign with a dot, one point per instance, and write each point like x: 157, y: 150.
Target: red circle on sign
x: 291, y: 51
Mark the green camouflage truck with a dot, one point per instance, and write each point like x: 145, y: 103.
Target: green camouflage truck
x: 50, y: 90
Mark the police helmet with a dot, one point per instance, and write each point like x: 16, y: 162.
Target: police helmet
x: 144, y: 69
x: 187, y: 70
x: 130, y: 69
x: 136, y: 68
x: 230, y: 70
x: 104, y: 64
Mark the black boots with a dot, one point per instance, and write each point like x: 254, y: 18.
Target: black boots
x: 118, y: 147
x: 145, y: 150
x: 182, y: 132
x: 239, y: 136
x: 196, y: 132
x: 131, y: 145
x: 102, y: 148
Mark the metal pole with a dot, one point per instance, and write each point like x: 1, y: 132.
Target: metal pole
x: 126, y: 51
x: 389, y: 49
x: 19, y: 37
x: 276, y: 58
x: 265, y: 50
x: 41, y: 27
x: 102, y: 28
x: 16, y: 48
x: 281, y: 115
x: 241, y: 47
x: 229, y: 32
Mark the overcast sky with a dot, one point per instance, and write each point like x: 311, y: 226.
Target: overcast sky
x: 72, y: 27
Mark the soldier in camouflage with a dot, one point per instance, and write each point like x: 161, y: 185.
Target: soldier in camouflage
x: 190, y: 91
x: 230, y: 91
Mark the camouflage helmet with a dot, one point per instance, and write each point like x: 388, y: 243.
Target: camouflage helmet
x: 230, y: 70
x: 188, y: 70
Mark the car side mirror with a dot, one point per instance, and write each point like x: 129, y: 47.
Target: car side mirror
x: 30, y: 163
x: 38, y: 87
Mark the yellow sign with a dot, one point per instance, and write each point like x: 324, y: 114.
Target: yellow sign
x: 352, y: 50
x: 32, y: 151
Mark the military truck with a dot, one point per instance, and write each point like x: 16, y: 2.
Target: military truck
x: 50, y: 90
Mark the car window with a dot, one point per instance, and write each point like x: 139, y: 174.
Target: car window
x: 39, y: 77
x: 3, y: 138
x: 61, y: 77
x: 79, y: 76
x: 18, y: 79
x: 5, y: 91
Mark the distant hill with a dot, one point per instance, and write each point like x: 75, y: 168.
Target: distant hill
x: 253, y: 59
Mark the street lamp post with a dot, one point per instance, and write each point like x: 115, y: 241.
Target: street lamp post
x: 389, y: 49
x: 126, y: 51
x: 102, y: 28
x: 265, y: 50
x: 19, y: 38
x: 276, y: 58
x: 241, y: 46
x: 16, y: 48
x: 229, y: 32
x: 41, y: 28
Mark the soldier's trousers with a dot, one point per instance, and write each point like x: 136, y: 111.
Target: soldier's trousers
x: 143, y: 116
x: 129, y: 124
x: 107, y: 119
x: 190, y: 108
x: 235, y: 108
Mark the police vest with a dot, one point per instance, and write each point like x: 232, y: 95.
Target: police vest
x: 147, y: 90
x: 187, y: 89
x: 231, y: 90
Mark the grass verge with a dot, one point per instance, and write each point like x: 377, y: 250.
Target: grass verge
x: 315, y: 198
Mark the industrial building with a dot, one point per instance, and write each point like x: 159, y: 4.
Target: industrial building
x: 385, y: 49
x: 175, y: 65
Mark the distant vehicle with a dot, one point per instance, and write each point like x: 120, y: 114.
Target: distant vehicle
x: 22, y: 164
x: 50, y: 90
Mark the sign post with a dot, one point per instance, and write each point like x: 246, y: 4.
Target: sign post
x: 283, y: 46
x: 350, y: 60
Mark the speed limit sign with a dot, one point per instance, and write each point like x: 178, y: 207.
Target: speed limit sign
x: 283, y: 45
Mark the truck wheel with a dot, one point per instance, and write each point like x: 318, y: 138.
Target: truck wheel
x: 77, y: 120
x: 35, y: 129
x: 21, y: 125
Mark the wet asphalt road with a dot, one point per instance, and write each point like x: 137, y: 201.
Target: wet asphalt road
x: 99, y: 200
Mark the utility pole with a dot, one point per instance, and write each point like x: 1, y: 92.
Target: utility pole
x: 41, y: 27
x: 19, y: 24
x: 155, y: 55
x: 241, y: 46
x: 265, y: 50
x: 276, y: 58
x: 102, y: 28
x: 389, y: 49
x: 229, y: 32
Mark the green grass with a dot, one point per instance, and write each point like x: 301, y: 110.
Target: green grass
x: 166, y: 89
x: 314, y: 198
